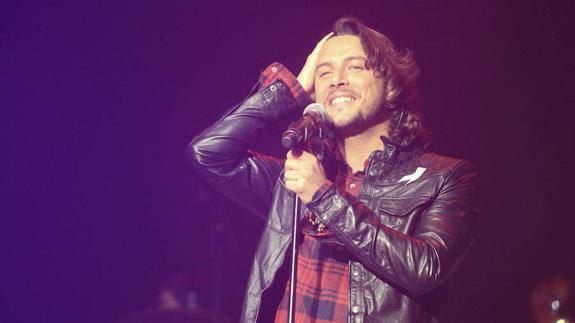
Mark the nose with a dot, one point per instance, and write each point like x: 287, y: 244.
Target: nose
x: 339, y: 78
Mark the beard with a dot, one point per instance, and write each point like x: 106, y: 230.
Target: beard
x: 350, y: 125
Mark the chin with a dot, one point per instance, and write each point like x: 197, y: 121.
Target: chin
x: 347, y: 126
x: 342, y: 119
x: 340, y: 124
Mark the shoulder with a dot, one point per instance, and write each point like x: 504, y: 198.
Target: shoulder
x: 451, y: 170
x: 438, y: 163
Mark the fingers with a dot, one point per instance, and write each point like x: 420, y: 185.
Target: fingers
x: 319, y: 45
x: 293, y: 180
x: 299, y: 155
x: 296, y: 180
x: 299, y: 162
x: 294, y: 153
x: 299, y: 165
x: 307, y: 74
x: 303, y: 174
x: 291, y: 175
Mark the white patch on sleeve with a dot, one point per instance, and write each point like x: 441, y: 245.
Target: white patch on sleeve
x: 410, y: 178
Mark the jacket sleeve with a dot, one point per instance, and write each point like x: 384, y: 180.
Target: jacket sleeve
x: 419, y: 262
x: 221, y: 154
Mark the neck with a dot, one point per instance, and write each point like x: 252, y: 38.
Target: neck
x: 356, y: 148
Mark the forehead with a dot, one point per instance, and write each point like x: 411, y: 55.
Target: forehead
x: 340, y: 47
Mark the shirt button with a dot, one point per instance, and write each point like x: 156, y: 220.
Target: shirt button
x: 355, y: 309
x: 274, y: 69
x: 352, y: 185
x: 355, y: 273
x: 273, y: 88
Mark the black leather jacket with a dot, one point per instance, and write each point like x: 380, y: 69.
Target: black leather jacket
x: 406, y: 243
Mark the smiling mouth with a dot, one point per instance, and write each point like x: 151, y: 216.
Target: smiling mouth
x: 340, y: 100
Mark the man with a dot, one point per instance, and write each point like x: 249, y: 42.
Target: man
x: 382, y: 234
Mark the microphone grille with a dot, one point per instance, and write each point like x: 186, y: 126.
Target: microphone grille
x: 317, y: 109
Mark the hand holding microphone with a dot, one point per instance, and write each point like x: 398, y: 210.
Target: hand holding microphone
x: 303, y: 172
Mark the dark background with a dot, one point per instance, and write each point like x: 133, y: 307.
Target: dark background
x: 100, y: 98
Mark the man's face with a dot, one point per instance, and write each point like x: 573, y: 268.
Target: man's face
x: 351, y: 94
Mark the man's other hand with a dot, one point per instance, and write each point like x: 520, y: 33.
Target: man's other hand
x: 307, y: 75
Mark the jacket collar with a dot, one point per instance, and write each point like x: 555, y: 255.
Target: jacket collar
x: 379, y: 162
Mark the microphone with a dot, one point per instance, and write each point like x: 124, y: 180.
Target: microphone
x: 302, y: 129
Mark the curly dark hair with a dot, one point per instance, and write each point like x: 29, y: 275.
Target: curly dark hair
x: 399, y: 71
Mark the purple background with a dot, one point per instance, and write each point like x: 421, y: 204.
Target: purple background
x: 100, y: 98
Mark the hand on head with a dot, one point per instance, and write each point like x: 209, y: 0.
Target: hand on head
x: 307, y: 74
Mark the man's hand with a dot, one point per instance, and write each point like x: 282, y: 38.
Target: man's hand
x: 307, y: 75
x: 303, y: 174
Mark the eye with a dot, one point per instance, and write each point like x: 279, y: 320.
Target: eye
x: 323, y: 74
x: 356, y: 68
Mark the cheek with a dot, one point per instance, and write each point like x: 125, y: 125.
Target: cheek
x: 375, y: 91
x: 320, y: 91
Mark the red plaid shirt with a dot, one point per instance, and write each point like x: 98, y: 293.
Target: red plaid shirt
x: 322, y: 285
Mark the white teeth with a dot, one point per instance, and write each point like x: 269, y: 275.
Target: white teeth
x: 341, y: 99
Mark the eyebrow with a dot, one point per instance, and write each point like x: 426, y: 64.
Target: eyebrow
x: 347, y: 59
